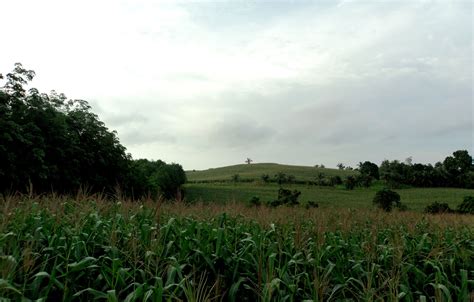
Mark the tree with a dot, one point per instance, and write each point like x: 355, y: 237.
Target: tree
x: 54, y: 143
x: 155, y: 179
x: 395, y: 173
x: 248, y: 161
x: 386, y: 199
x: 370, y: 169
x: 459, y: 163
x: 341, y: 166
x: 58, y: 144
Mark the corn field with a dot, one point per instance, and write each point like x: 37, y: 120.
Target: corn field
x: 60, y: 249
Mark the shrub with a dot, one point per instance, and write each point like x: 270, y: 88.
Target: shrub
x: 291, y: 179
x: 350, y: 182
x: 265, y: 178
x: 467, y: 206
x: 320, y: 179
x: 235, y: 178
x: 385, y: 199
x: 364, y: 180
x: 280, y: 178
x: 286, y: 197
x: 438, y: 207
x: 312, y: 204
x: 255, y: 201
x: 335, y: 180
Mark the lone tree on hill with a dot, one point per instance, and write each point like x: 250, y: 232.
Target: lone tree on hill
x: 248, y: 161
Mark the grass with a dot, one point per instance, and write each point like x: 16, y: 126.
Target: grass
x: 255, y: 171
x: 327, y: 197
x: 62, y: 249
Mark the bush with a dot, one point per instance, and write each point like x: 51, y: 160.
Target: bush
x: 311, y: 204
x: 364, y: 180
x: 291, y: 179
x: 385, y: 199
x: 286, y: 197
x: 467, y: 206
x: 281, y: 178
x: 265, y: 178
x: 438, y: 208
x: 350, y: 182
x: 235, y: 178
x: 335, y: 180
x: 255, y: 201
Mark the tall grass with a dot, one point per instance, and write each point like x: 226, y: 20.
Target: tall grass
x: 87, y: 248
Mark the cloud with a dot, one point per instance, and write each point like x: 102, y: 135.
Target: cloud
x: 144, y: 136
x: 210, y: 83
x: 238, y: 133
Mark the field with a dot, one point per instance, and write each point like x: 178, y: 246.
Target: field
x: 63, y: 249
x: 215, y: 185
x: 327, y: 197
x: 212, y: 246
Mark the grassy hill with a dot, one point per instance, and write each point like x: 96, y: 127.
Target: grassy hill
x: 215, y: 185
x: 255, y: 171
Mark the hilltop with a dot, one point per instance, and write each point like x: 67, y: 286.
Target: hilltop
x: 255, y: 171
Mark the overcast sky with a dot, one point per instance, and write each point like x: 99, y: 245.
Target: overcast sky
x: 210, y: 83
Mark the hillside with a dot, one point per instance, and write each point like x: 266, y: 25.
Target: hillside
x: 255, y: 171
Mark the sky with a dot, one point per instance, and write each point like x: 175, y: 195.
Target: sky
x: 210, y: 83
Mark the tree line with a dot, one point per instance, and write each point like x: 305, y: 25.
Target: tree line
x: 49, y: 143
x: 454, y: 171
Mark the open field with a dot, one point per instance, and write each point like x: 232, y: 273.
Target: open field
x: 327, y: 197
x: 78, y: 250
x: 255, y: 171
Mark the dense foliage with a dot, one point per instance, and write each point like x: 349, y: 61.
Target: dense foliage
x: 286, y: 197
x: 454, y: 171
x: 369, y: 169
x: 386, y: 199
x: 51, y: 144
x: 438, y: 208
x: 156, y: 178
x: 66, y: 250
x: 467, y: 205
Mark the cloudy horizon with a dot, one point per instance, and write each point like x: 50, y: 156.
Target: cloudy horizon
x: 208, y: 84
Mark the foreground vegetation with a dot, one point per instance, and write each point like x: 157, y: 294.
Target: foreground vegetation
x: 88, y: 248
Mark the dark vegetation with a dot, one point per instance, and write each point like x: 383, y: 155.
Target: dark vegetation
x: 386, y: 199
x: 455, y: 171
x: 286, y: 197
x: 466, y: 207
x: 51, y: 144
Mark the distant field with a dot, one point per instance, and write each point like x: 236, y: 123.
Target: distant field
x: 255, y: 171
x: 415, y: 198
